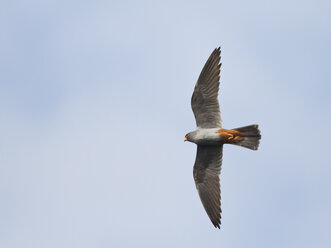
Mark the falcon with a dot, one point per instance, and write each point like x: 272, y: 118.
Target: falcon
x: 210, y: 137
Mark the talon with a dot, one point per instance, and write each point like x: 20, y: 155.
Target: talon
x: 230, y: 136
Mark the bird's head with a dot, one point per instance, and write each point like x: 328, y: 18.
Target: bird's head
x: 187, y: 137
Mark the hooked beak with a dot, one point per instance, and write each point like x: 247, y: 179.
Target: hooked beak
x: 185, y: 139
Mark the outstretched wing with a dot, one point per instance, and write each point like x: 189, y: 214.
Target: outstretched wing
x: 204, y: 100
x: 206, y: 173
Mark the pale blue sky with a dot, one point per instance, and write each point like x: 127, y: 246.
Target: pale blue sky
x: 95, y: 103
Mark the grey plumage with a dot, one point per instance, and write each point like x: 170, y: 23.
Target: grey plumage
x: 210, y: 137
x: 204, y: 100
x: 206, y: 172
x: 252, y: 137
x: 207, y: 167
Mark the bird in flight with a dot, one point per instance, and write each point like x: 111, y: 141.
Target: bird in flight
x: 210, y: 137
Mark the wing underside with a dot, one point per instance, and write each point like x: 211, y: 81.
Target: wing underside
x: 206, y: 173
x: 204, y: 101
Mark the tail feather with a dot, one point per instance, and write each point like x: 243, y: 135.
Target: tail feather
x: 251, y: 137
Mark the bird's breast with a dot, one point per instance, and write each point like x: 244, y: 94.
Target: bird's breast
x: 207, y: 137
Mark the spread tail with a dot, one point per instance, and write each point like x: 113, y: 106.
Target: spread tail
x: 250, y: 137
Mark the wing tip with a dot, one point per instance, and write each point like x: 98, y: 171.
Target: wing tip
x: 217, y: 50
x: 217, y: 53
x: 217, y: 221
x: 217, y: 224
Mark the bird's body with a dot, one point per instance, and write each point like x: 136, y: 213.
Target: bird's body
x: 210, y: 137
x: 220, y: 136
x: 205, y: 136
